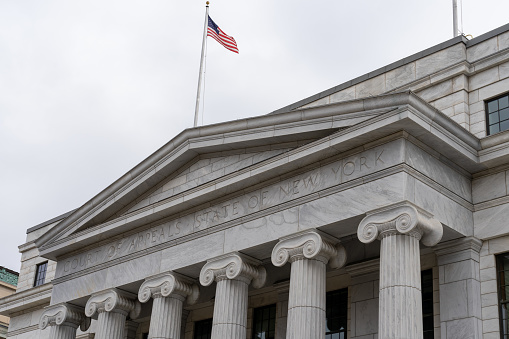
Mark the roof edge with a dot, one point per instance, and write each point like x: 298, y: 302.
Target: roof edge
x: 48, y: 222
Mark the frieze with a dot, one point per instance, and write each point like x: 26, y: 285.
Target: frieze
x: 329, y: 175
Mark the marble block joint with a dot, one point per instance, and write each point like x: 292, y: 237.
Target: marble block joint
x: 169, y: 291
x: 399, y: 228
x: 64, y: 319
x: 233, y: 273
x: 309, y: 252
x: 112, y: 308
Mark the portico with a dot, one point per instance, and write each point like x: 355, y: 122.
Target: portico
x: 211, y: 225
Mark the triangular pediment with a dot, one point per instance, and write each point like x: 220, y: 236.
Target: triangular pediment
x: 203, y: 170
x: 208, y: 163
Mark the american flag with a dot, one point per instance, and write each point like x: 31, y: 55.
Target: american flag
x: 227, y: 41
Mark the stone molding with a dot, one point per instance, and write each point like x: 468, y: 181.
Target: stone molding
x: 454, y: 246
x: 169, y: 284
x: 404, y: 218
x: 113, y: 300
x: 64, y: 315
x: 310, y: 244
x: 364, y: 268
x: 234, y: 266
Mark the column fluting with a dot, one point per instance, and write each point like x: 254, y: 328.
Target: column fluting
x: 113, y: 307
x: 309, y: 252
x: 233, y: 273
x: 64, y: 319
x: 400, y: 228
x: 169, y: 291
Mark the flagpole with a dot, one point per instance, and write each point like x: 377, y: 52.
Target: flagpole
x: 197, y: 109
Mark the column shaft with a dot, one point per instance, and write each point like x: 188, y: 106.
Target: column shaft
x: 111, y: 325
x: 63, y: 332
x: 230, y: 309
x: 165, y: 321
x: 400, y: 304
x: 306, y: 303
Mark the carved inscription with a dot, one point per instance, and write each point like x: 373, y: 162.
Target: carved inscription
x: 313, y: 181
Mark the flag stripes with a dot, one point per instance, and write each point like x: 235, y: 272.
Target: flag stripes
x: 217, y: 34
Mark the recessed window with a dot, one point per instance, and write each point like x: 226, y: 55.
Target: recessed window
x: 203, y: 329
x: 427, y: 304
x: 40, y: 273
x: 503, y: 293
x: 336, y: 311
x: 264, y: 322
x: 497, y: 115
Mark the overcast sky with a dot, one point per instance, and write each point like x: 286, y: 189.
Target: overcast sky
x: 89, y: 89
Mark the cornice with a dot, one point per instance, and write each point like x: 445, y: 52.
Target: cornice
x: 26, y: 299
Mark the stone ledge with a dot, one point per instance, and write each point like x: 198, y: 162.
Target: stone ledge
x: 29, y: 298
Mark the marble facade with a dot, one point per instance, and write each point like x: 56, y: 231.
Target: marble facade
x: 360, y: 187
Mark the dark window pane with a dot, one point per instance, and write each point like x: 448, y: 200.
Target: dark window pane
x: 203, y: 329
x: 493, y: 118
x: 503, y: 293
x: 336, y: 313
x: 504, y: 125
x: 503, y: 102
x: 427, y: 304
x: 40, y: 274
x: 492, y: 106
x: 504, y: 114
x: 494, y: 129
x: 264, y: 322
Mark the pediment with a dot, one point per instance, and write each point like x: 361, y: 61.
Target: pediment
x: 203, y: 170
x: 211, y: 162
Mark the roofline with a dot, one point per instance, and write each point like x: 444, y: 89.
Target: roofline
x: 381, y: 101
x: 394, y: 65
x: 9, y: 271
x: 48, y: 222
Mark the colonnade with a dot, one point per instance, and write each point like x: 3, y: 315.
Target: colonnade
x: 400, y: 228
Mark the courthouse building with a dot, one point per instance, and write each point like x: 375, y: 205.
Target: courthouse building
x: 376, y: 209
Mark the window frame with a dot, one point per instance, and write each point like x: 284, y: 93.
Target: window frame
x: 256, y: 310
x: 499, y: 269
x: 201, y: 323
x: 38, y: 281
x: 430, y: 332
x: 487, y: 114
x: 343, y: 294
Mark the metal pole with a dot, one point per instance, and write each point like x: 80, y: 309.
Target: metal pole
x: 455, y: 31
x: 197, y: 109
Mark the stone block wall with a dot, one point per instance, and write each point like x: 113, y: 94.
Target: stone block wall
x: 456, y: 80
x: 489, y: 296
x: 29, y: 260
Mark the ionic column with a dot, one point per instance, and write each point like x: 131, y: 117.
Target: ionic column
x: 233, y: 273
x: 112, y: 307
x: 399, y: 228
x: 64, y: 319
x: 169, y: 290
x: 309, y: 252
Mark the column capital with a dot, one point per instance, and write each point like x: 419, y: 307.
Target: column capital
x: 64, y: 315
x: 166, y: 284
x: 403, y: 218
x: 113, y: 300
x: 233, y: 266
x: 309, y: 244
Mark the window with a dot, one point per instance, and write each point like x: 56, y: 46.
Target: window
x: 503, y: 293
x: 427, y: 304
x: 203, y: 329
x: 497, y: 115
x: 264, y: 322
x: 40, y: 273
x: 336, y: 311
